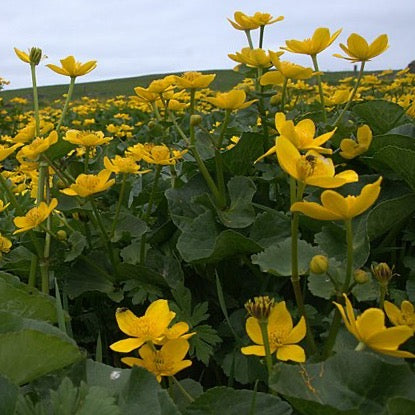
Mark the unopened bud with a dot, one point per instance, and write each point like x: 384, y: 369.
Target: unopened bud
x: 383, y: 273
x: 62, y: 235
x: 260, y: 308
x: 319, y: 264
x: 195, y: 119
x: 361, y: 276
x: 35, y: 55
x: 151, y: 124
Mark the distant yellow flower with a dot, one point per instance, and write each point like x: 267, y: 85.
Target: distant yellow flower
x: 405, y: 316
x: 312, y: 168
x: 5, y: 245
x: 151, y: 327
x: 193, y: 80
x: 232, y: 100
x: 88, y: 184
x: 243, y: 22
x: 351, y: 148
x: 288, y: 69
x: 34, y: 216
x: 255, y: 58
x: 155, y: 154
x: 358, y: 50
x: 337, y: 207
x: 28, y: 132
x: 71, y: 67
x: 123, y: 165
x: 340, y: 96
x: 38, y: 146
x: 86, y: 138
x: 282, y: 335
x: 369, y: 328
x: 145, y: 95
x: 175, y: 105
x: 264, y: 19
x: 320, y: 40
x: 164, y: 362
x: 5, y: 150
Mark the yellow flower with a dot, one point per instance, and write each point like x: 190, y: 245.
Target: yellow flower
x: 176, y: 331
x: 123, y: 165
x: 351, y: 148
x: 320, y: 40
x: 405, y: 316
x: 243, y: 22
x: 282, y: 335
x: 340, y: 96
x: 193, y: 80
x: 5, y: 245
x: 33, y: 57
x: 3, y: 206
x: 37, y: 146
x: 358, y: 50
x: 5, y: 151
x: 151, y: 327
x: 288, y: 69
x: 312, y: 168
x: 145, y: 95
x: 369, y: 328
x: 155, y: 154
x: 34, y: 216
x: 232, y: 100
x: 337, y: 207
x: 29, y: 131
x: 88, y: 184
x: 255, y: 58
x: 86, y: 138
x: 164, y: 362
x: 71, y: 67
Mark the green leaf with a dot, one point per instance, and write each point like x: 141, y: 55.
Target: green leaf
x: 240, y: 213
x: 244, y: 369
x: 384, y: 140
x: 130, y: 225
x: 270, y: 227
x: 221, y: 400
x: 202, y: 241
x: 204, y: 342
x: 240, y: 159
x: 321, y: 286
x: 77, y: 242
x: 276, y: 259
x: 368, y: 291
x: 400, y: 160
x: 60, y: 149
x: 381, y: 116
x: 143, y: 395
x: 28, y: 354
x: 388, y: 214
x: 400, y: 406
x: 8, y: 396
x: 26, y: 301
x: 349, y: 383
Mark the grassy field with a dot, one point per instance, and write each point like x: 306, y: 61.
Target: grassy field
x: 225, y: 80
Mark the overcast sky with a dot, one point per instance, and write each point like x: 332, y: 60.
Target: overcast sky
x: 137, y: 37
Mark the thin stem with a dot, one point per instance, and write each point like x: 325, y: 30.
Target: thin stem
x: 383, y: 289
x: 349, y: 266
x: 35, y: 99
x: 248, y: 36
x: 66, y: 105
x: 360, y: 347
x: 261, y: 36
x: 356, y: 85
x: 263, y: 324
x: 182, y: 389
x: 32, y: 274
x: 147, y: 214
x: 283, y: 94
x: 320, y: 86
x: 119, y: 204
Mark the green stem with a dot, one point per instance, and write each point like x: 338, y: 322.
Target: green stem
x: 356, y: 85
x: 32, y: 274
x: 104, y: 235
x: 261, y: 36
x: 192, y: 100
x: 383, y: 290
x: 147, y: 214
x: 320, y: 86
x: 86, y: 160
x: 283, y: 94
x: 156, y: 111
x: 119, y: 204
x: 263, y: 324
x: 66, y: 105
x: 248, y: 36
x: 35, y: 99
x: 182, y: 389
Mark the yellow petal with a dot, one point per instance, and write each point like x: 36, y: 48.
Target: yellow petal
x: 291, y: 352
x: 176, y: 349
x: 297, y: 333
x: 393, y: 313
x: 390, y: 338
x: 369, y: 323
x: 127, y: 321
x: 357, y: 46
x: 253, y: 350
x: 378, y: 46
x: 280, y: 319
x: 253, y: 330
x: 366, y: 199
x: 288, y: 155
x: 272, y: 78
x: 126, y: 345
x: 314, y: 210
x: 336, y: 203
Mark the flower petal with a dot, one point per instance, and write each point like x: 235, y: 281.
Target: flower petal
x: 253, y: 330
x: 280, y: 319
x: 297, y: 333
x: 369, y: 323
x: 126, y: 345
x: 291, y: 352
x: 393, y: 313
x: 366, y: 199
x: 253, y: 350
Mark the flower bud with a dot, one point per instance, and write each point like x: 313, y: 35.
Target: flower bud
x: 62, y: 235
x: 195, y: 119
x: 260, y: 308
x: 361, y: 276
x: 382, y: 272
x: 35, y: 55
x: 319, y: 264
